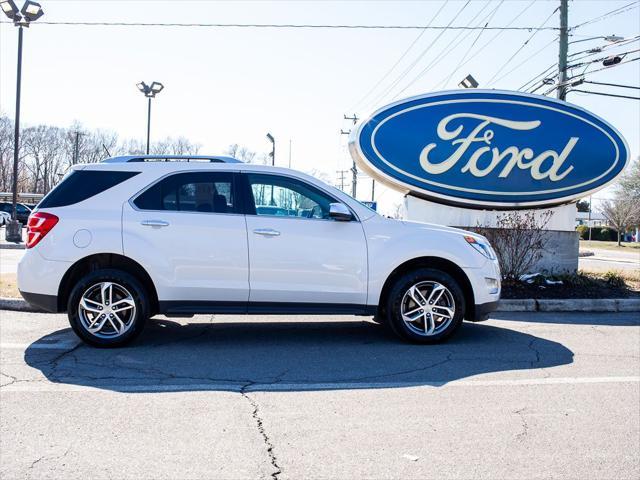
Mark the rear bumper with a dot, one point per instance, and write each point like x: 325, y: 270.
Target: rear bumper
x: 48, y: 303
x: 482, y: 311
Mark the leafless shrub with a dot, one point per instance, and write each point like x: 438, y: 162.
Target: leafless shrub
x: 519, y: 241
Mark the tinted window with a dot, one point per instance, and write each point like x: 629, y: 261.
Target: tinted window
x: 83, y: 184
x: 282, y: 196
x: 210, y: 192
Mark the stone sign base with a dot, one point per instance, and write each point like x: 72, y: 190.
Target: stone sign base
x: 561, y: 255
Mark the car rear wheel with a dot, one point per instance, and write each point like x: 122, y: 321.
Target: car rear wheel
x: 425, y: 306
x: 108, y: 308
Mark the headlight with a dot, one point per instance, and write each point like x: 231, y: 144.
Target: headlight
x: 482, y: 246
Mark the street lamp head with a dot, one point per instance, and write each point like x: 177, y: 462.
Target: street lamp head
x: 613, y: 38
x: 10, y: 9
x: 270, y: 138
x: 142, y: 87
x: 31, y: 11
x: 156, y: 87
x: 150, y: 91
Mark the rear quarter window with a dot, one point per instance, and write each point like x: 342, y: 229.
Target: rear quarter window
x: 81, y: 185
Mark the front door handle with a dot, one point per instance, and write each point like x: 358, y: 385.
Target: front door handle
x: 267, y: 232
x: 154, y: 223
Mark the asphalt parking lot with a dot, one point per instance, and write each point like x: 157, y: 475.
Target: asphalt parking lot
x: 522, y: 396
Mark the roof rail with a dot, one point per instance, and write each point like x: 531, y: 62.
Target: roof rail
x: 171, y: 158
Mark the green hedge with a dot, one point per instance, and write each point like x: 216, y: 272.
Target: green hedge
x: 597, y: 233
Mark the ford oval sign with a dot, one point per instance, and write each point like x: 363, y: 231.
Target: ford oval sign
x: 489, y: 149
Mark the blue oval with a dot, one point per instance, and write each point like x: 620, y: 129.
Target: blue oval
x: 487, y: 148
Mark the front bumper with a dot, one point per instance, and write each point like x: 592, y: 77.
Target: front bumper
x: 482, y: 311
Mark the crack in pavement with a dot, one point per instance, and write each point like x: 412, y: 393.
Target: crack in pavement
x: 44, y: 457
x: 277, y: 470
x: 525, y: 427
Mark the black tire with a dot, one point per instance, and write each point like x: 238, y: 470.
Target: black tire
x: 397, y: 293
x: 136, y: 321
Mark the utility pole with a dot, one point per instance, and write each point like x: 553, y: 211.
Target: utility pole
x: 589, y: 221
x: 76, y: 150
x: 373, y: 190
x: 341, y: 174
x: 354, y: 170
x: 563, y: 51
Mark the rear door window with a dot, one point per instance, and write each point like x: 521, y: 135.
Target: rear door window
x: 81, y: 185
x: 204, y: 192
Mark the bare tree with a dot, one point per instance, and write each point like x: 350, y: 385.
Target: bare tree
x: 630, y: 181
x: 519, y: 241
x: 241, y: 153
x: 397, y: 211
x: 6, y: 153
x: 44, y: 149
x: 621, y: 213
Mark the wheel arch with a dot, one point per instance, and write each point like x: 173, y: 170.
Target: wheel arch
x: 431, y: 262
x: 105, y: 260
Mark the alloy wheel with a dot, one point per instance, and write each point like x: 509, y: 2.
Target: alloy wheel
x: 427, y: 308
x: 107, y: 310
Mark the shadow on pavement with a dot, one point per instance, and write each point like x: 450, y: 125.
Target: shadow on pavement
x: 289, y: 356
x: 619, y: 319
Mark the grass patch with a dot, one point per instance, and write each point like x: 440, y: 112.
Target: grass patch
x: 624, y: 247
x: 9, y: 286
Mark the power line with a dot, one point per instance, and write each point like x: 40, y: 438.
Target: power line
x: 612, y: 13
x: 571, y: 80
x: 531, y: 83
x: 473, y: 44
x: 604, y: 94
x: 451, y: 46
x: 537, y: 52
x: 492, y: 39
x: 415, y: 62
x: 612, y: 84
x: 599, y: 59
x: 521, y: 48
x: 386, y: 75
x: 286, y: 25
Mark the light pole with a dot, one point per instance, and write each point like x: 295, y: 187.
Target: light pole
x: 273, y: 148
x: 30, y: 12
x: 149, y: 91
x: 273, y: 161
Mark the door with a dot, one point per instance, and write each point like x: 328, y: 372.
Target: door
x: 297, y: 254
x: 186, y: 230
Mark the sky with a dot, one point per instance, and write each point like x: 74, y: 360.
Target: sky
x: 233, y: 85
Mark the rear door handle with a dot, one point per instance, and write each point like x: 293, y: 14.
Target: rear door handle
x: 154, y: 223
x: 267, y: 232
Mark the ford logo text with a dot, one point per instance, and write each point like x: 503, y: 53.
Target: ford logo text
x: 489, y: 149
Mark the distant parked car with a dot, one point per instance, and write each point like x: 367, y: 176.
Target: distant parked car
x: 22, y: 211
x: 4, y: 218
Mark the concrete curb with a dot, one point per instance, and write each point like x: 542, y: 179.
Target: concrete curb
x: 571, y: 305
x: 17, y: 305
x: 12, y: 246
x: 519, y: 305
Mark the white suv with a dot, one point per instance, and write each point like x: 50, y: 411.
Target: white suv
x: 120, y: 241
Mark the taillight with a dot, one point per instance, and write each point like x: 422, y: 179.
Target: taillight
x: 38, y: 225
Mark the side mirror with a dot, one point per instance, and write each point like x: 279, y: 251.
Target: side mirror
x: 340, y: 212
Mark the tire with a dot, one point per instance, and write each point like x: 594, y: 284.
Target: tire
x: 128, y: 299
x: 432, y: 324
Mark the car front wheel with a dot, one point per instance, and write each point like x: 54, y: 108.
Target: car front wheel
x: 425, y: 306
x: 108, y: 308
